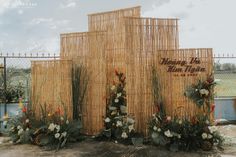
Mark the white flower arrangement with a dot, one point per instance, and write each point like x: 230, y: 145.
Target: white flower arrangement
x: 20, y: 131
x: 118, y: 123
x: 168, y: 133
x: 27, y: 121
x: 51, y: 127
x: 204, y: 135
x: 107, y: 120
x: 116, y: 100
x: 57, y: 135
x: 124, y: 135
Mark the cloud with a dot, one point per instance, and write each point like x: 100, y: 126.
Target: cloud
x: 37, y: 21
x: 159, y: 3
x: 68, y: 4
x: 180, y: 14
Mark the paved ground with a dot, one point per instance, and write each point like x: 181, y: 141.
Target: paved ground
x: 90, y: 148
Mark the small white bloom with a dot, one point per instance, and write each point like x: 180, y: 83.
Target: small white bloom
x: 113, y: 87
x: 168, y: 133
x: 124, y: 135
x: 169, y: 118
x: 64, y: 134
x: 4, y: 123
x: 131, y: 127
x: 204, y: 91
x: 154, y: 115
x: 18, y: 127
x: 20, y: 131
x: 212, y: 129
x: 51, y: 127
x: 107, y: 120
x: 155, y: 128
x: 209, y: 136
x: 116, y: 100
x: 58, y: 127
x: 179, y: 136
x: 27, y: 120
x: 118, y: 95
x: 116, y: 141
x: 57, y: 135
x: 130, y: 120
x: 196, y: 89
x: 159, y: 129
x: 204, y: 135
x: 13, y: 129
x: 27, y: 129
x: 180, y: 122
x: 118, y: 123
x: 67, y: 121
x: 62, y: 118
x: 207, y: 122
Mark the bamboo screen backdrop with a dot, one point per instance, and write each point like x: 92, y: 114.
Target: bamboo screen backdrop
x: 125, y: 41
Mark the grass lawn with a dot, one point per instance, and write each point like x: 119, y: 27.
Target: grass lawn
x: 226, y: 85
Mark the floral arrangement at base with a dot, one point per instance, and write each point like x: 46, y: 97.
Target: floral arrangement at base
x: 184, y: 134
x: 118, y: 125
x: 52, y: 131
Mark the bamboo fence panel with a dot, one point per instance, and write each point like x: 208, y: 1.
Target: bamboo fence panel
x: 88, y: 49
x: 144, y: 36
x: 51, y: 86
x: 174, y: 84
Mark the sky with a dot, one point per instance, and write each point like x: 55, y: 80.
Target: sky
x: 34, y: 26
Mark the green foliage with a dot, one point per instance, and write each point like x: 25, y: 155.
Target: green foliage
x: 79, y: 87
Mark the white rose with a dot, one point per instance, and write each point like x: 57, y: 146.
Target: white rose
x: 116, y: 100
x: 155, y: 128
x: 62, y: 118
x: 57, y: 135
x: 168, y: 133
x: 131, y: 127
x: 180, y: 122
x: 27, y: 129
x: 209, y: 136
x: 179, y: 136
x: 130, y: 120
x: 118, y: 95
x: 18, y: 127
x: 64, y: 134
x: 159, y: 129
x: 27, y: 120
x: 212, y: 129
x: 67, y: 121
x: 124, y: 135
x: 107, y: 120
x: 51, y: 127
x: 118, y: 123
x: 58, y: 128
x: 204, y: 136
x: 20, y: 131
